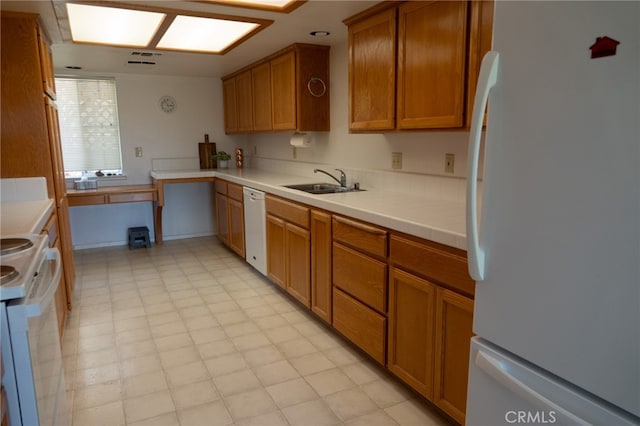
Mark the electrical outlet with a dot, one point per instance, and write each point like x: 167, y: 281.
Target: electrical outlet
x: 138, y: 151
x: 396, y: 160
x: 449, y: 161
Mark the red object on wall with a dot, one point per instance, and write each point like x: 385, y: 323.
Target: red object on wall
x: 604, y: 46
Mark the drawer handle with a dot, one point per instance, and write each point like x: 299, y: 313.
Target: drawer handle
x: 361, y: 226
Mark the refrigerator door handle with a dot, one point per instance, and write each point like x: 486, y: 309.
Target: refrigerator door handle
x: 496, y: 370
x: 486, y: 81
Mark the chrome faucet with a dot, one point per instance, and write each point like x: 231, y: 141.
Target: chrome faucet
x: 343, y: 177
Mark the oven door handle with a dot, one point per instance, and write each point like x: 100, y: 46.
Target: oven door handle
x: 37, y: 305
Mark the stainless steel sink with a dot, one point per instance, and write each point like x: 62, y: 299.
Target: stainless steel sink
x: 321, y: 188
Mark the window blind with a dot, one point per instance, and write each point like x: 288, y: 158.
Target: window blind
x: 89, y: 127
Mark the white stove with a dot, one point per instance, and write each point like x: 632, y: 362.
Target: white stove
x: 19, y: 255
x: 30, y: 342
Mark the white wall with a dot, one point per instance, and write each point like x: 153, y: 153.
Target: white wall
x: 188, y: 210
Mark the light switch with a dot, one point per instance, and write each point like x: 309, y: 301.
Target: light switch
x: 138, y: 151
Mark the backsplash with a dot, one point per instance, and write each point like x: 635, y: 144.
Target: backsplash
x: 410, y: 183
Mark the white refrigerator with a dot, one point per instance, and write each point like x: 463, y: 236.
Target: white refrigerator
x: 554, y: 235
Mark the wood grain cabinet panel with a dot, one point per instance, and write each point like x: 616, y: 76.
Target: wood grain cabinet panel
x: 283, y: 94
x: 236, y: 226
x: 454, y: 322
x: 298, y: 263
x: 372, y: 72
x: 244, y: 102
x: 222, y: 218
x: 431, y: 64
x: 261, y: 81
x: 276, y: 251
x: 410, y: 348
x: 367, y: 238
x: 321, y: 265
x: 229, y: 100
x: 360, y: 276
x: 360, y: 324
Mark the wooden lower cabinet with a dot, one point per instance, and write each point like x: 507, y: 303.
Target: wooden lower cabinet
x: 222, y: 218
x: 321, y: 265
x: 276, y: 252
x: 453, y: 332
x: 298, y: 263
x: 236, y: 227
x: 289, y: 258
x: 230, y: 216
x: 410, y: 349
x: 360, y: 324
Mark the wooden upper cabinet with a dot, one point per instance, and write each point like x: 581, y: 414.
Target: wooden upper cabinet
x: 288, y: 90
x: 413, y: 64
x: 480, y: 39
x: 431, y: 64
x: 230, y: 105
x: 283, y: 95
x: 244, y: 102
x: 46, y: 65
x: 372, y: 72
x: 261, y: 84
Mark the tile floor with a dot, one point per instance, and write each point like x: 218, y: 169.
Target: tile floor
x: 189, y: 334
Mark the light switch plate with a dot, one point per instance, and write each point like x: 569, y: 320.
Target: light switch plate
x: 396, y: 160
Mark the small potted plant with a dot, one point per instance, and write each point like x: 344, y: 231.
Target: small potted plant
x: 223, y: 159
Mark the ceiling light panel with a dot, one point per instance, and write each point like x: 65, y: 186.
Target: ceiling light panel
x: 203, y: 34
x: 112, y: 26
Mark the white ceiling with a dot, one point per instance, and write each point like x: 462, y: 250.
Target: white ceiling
x: 286, y: 29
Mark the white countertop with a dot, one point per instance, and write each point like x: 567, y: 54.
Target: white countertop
x: 435, y: 220
x: 24, y: 217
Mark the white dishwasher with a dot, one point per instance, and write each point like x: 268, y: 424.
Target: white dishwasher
x: 255, y: 230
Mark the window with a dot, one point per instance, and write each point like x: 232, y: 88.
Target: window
x: 89, y: 127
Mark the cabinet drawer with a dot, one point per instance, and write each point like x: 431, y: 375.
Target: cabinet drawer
x: 441, y: 265
x: 221, y: 186
x: 291, y: 212
x: 234, y: 192
x: 364, y: 237
x: 360, y: 324
x: 87, y: 200
x: 361, y: 276
x: 132, y: 197
x: 51, y: 229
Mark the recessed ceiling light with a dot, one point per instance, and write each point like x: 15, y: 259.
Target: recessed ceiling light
x: 321, y: 33
x: 203, y: 34
x: 114, y: 26
x: 285, y: 6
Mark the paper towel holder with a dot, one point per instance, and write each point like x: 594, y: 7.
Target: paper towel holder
x: 301, y: 140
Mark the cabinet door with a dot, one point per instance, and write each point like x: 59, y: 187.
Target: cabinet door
x: 244, y: 102
x: 321, y: 264
x: 236, y: 226
x: 298, y: 263
x: 61, y: 301
x: 67, y: 250
x: 230, y: 105
x: 55, y: 146
x: 222, y: 218
x: 454, y: 321
x: 372, y: 72
x: 276, y: 259
x: 480, y: 38
x: 410, y: 349
x: 46, y: 65
x: 283, y: 92
x: 261, y: 80
x: 431, y: 64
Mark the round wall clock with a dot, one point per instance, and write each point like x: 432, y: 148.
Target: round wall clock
x: 167, y: 103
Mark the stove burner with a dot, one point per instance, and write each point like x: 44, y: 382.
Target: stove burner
x: 7, y: 274
x: 14, y: 245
